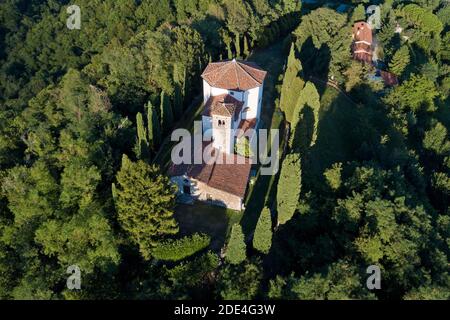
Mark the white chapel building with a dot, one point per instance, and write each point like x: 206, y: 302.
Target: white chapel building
x: 232, y: 96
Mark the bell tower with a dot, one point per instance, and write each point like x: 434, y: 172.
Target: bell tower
x: 222, y: 133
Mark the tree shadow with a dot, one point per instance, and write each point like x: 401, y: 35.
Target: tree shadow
x: 315, y: 61
x: 203, y: 218
x: 209, y: 29
x: 346, y: 132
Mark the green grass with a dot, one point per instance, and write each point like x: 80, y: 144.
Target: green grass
x: 338, y: 119
x: 212, y: 220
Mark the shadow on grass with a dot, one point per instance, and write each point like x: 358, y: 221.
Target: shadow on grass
x: 346, y: 132
x: 214, y: 221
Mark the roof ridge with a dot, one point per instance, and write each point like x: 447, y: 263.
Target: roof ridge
x: 221, y: 72
x: 248, y: 73
x: 235, y: 72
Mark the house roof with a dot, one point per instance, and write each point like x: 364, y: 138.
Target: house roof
x: 227, y: 172
x: 362, y: 56
x: 362, y: 32
x: 223, y: 105
x: 234, y: 75
x: 389, y: 78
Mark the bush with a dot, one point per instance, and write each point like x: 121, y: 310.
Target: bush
x: 262, y: 240
x: 236, y: 246
x: 178, y: 249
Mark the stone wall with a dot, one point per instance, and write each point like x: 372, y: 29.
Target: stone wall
x: 200, y: 191
x: 218, y: 197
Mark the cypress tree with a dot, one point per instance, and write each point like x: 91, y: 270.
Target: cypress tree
x: 154, y: 129
x: 289, y: 187
x: 292, y: 85
x: 177, y: 102
x: 142, y: 147
x: 358, y: 14
x: 308, y: 97
x: 246, y: 51
x: 262, y: 240
x: 236, y: 246
x: 237, y: 45
x: 166, y: 113
x: 114, y: 192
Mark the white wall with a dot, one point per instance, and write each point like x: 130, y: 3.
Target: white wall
x: 207, y: 127
x: 223, y: 135
x: 253, y: 101
x: 217, y: 91
x: 206, y: 91
x: 213, y: 91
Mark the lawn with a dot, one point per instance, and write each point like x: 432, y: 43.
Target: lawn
x: 211, y: 220
x: 338, y: 121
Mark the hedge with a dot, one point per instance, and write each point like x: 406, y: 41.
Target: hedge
x: 178, y: 249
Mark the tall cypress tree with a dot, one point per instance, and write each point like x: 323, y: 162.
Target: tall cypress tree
x: 309, y: 97
x: 236, y: 245
x: 154, y: 129
x: 177, y: 102
x: 246, y: 50
x: 142, y: 145
x: 237, y: 45
x: 292, y: 85
x: 289, y: 187
x: 166, y: 113
x: 227, y: 40
x: 262, y: 240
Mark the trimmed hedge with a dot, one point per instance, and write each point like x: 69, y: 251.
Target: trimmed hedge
x: 178, y: 249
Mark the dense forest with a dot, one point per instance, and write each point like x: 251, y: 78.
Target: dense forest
x: 364, y: 180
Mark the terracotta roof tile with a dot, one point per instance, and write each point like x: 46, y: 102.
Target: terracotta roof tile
x: 362, y: 32
x: 223, y: 105
x: 234, y: 75
x: 231, y: 174
x: 389, y: 78
x: 362, y: 41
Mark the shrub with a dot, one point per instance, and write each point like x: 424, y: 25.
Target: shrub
x: 178, y: 249
x: 236, y: 246
x: 262, y: 240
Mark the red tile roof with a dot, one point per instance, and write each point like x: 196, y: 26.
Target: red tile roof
x: 389, y: 78
x: 362, y: 42
x: 228, y: 172
x: 362, y: 32
x: 234, y: 75
x: 223, y: 105
x: 363, y: 56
